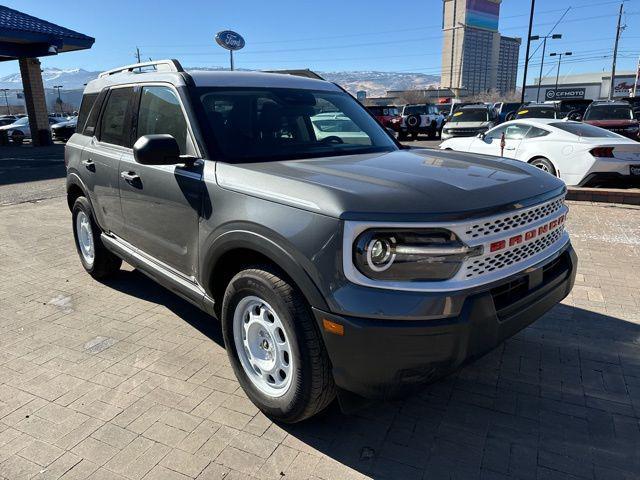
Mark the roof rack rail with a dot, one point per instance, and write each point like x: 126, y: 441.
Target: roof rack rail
x: 170, y: 65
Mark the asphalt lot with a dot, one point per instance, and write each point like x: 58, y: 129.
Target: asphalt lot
x: 123, y: 379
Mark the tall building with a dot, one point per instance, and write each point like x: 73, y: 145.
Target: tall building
x: 475, y: 57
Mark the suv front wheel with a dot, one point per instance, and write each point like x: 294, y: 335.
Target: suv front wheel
x: 96, y: 259
x: 274, y: 346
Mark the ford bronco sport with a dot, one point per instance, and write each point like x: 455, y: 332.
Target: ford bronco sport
x: 357, y: 268
x: 417, y: 119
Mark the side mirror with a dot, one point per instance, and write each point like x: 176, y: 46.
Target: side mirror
x: 160, y: 149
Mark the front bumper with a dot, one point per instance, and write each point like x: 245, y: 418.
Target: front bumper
x: 378, y: 358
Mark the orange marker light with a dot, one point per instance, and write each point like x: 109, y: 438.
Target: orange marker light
x: 333, y: 327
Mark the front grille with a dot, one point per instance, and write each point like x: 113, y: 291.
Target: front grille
x: 519, y: 219
x: 463, y: 132
x: 489, y: 263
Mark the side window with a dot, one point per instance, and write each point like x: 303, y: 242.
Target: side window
x: 88, y: 101
x: 160, y: 112
x: 516, y: 132
x: 536, y: 132
x: 496, y: 132
x: 114, y: 125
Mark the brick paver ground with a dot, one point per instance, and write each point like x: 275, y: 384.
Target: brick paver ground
x: 124, y: 380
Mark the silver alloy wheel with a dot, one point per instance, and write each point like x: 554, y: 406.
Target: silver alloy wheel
x: 84, y: 235
x: 263, y: 346
x: 543, y: 167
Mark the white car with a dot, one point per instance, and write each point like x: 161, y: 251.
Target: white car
x: 578, y: 153
x: 337, y: 127
x: 19, y: 130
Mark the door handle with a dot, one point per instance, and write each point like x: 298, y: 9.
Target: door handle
x: 89, y: 164
x: 509, y: 148
x: 130, y: 177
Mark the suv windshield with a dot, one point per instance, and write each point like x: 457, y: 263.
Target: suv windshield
x: 471, y: 115
x: 609, y: 112
x: 260, y: 124
x: 537, y: 112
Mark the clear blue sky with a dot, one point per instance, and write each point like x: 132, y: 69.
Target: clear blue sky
x: 325, y: 35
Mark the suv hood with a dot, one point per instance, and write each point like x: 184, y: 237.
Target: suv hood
x: 467, y: 124
x: 409, y: 185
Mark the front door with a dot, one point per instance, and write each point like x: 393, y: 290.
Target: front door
x: 161, y: 203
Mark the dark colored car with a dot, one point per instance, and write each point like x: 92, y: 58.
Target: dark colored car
x: 337, y: 262
x: 537, y: 110
x: 385, y: 115
x: 505, y: 108
x: 63, y: 130
x: 617, y: 117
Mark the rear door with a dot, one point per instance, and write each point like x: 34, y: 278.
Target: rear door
x: 101, y: 157
x: 161, y: 203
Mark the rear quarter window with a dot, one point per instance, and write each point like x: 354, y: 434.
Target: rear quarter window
x: 584, y: 130
x: 88, y: 101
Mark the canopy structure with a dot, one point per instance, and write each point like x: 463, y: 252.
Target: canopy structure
x: 25, y: 38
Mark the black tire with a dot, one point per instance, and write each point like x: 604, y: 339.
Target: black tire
x: 433, y: 130
x: 312, y: 388
x: 544, y: 164
x: 402, y: 135
x: 17, y: 138
x: 414, y: 136
x: 105, y: 263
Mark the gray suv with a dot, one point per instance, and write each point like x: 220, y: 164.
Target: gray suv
x: 337, y: 261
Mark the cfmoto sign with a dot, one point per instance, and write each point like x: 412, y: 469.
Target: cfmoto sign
x: 564, y: 93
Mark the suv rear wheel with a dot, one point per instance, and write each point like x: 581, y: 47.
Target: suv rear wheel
x: 96, y: 259
x: 274, y: 346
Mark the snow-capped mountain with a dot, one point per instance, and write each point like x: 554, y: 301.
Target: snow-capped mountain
x: 70, y: 79
x: 374, y: 83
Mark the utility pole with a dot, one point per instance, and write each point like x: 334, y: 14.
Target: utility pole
x: 6, y: 99
x: 526, y: 58
x: 138, y: 54
x: 615, y: 52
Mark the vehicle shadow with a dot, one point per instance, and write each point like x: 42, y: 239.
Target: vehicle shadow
x: 561, y: 398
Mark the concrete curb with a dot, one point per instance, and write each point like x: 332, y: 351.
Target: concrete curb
x: 604, y: 195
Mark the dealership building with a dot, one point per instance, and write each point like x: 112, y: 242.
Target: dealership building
x: 592, y: 86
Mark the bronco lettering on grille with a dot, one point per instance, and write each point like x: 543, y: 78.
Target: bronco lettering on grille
x: 526, y: 236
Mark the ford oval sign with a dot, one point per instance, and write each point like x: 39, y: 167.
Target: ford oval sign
x: 230, y: 40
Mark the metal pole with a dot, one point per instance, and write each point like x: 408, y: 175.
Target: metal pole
x: 555, y: 92
x: 231, y: 58
x: 615, y: 53
x: 6, y: 99
x: 544, y: 48
x: 526, y: 58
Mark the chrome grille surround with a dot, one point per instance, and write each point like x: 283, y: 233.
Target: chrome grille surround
x: 489, y: 266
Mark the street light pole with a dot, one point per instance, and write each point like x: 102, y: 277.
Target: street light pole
x: 6, y: 99
x: 555, y: 36
x: 615, y: 53
x: 58, y: 87
x: 559, y: 55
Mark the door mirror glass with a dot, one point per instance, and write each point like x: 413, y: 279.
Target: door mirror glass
x: 159, y: 149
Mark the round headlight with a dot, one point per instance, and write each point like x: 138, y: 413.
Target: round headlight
x: 380, y: 254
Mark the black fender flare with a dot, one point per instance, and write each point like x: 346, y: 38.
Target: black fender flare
x: 285, y: 258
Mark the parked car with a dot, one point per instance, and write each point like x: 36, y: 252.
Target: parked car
x: 505, y: 108
x: 536, y: 110
x: 336, y: 127
x: 334, y: 267
x: 19, y: 131
x: 385, y: 115
x: 571, y: 108
x: 63, y: 130
x: 6, y: 121
x: 420, y: 118
x: 616, y: 116
x: 469, y: 121
x: 578, y: 153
